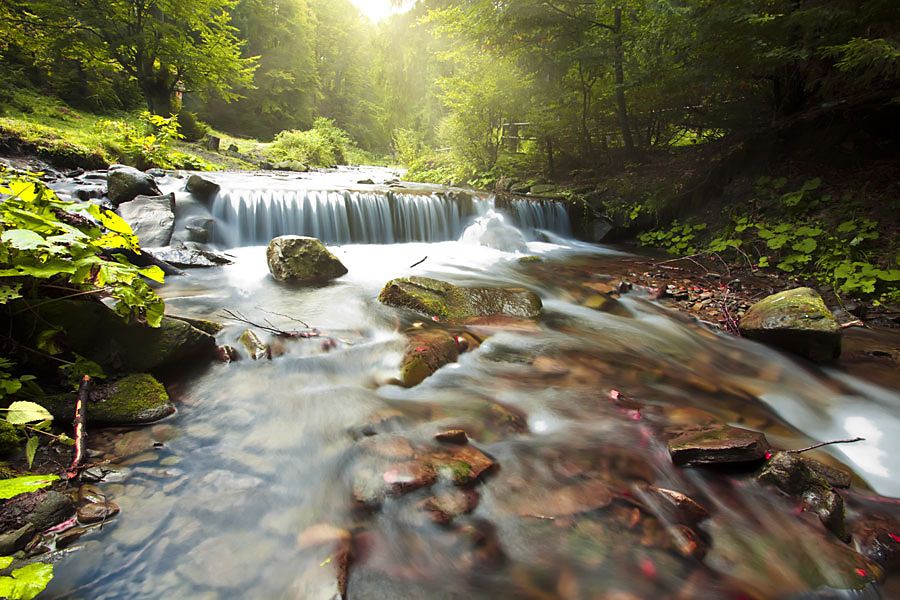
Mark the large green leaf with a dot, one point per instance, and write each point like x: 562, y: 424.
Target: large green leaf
x: 10, y: 488
x: 22, y: 413
x: 23, y: 239
x: 26, y: 583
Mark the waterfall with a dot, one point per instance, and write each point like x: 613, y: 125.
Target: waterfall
x: 251, y: 217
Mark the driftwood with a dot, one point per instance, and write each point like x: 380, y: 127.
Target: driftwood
x: 80, y: 430
x: 269, y: 327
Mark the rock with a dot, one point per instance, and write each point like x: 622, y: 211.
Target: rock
x: 365, y: 182
x: 94, y: 331
x: 446, y: 505
x: 435, y: 298
x: 542, y: 189
x: 96, y: 512
x: 796, y: 321
x: 294, y: 166
x: 152, y: 218
x: 204, y: 325
x: 124, y: 184
x: 303, y: 260
x: 877, y: 537
x: 12, y: 542
x: 10, y: 440
x: 427, y: 352
x: 212, y: 143
x: 716, y: 444
x: 562, y: 501
x: 520, y: 188
x: 793, y: 474
x: 254, y: 346
x: 191, y: 258
x: 461, y: 465
x: 227, y: 354
x: 42, y: 509
x: 202, y: 189
x: 452, y: 436
x: 135, y: 399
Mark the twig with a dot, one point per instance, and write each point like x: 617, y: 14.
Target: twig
x: 731, y: 324
x: 822, y: 444
x: 294, y: 319
x: 413, y: 266
x: 856, y: 323
x: 80, y: 432
x: 236, y: 316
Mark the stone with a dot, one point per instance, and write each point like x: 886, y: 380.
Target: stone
x: 152, y: 218
x: 796, y: 321
x: 877, y: 537
x: 204, y: 325
x: 461, y: 465
x: 136, y: 399
x: 212, y: 143
x: 254, y: 346
x: 562, y: 501
x: 191, y: 258
x: 96, y: 512
x: 201, y: 188
x: 427, y: 352
x: 446, y: 505
x: 716, y: 444
x: 12, y: 542
x: 302, y: 260
x: 96, y: 332
x: 227, y: 354
x: 452, y: 436
x: 124, y: 184
x: 542, y: 189
x: 42, y: 509
x: 793, y: 474
x: 448, y: 302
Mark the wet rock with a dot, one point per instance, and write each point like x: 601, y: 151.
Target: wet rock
x: 715, y: 444
x: 136, y: 399
x: 254, y: 346
x: 446, y: 505
x: 303, y: 260
x: 203, y: 189
x: 124, y: 184
x: 191, y: 258
x: 152, y: 218
x: 12, y: 542
x: 461, y: 465
x: 96, y: 513
x: 323, y: 533
x: 452, y: 436
x: 227, y: 354
x: 427, y: 352
x: 204, y: 325
x: 793, y: 474
x: 392, y: 447
x: 125, y: 346
x: 877, y: 537
x: 562, y: 501
x: 435, y: 298
x: 42, y: 509
x: 796, y: 321
x: 674, y: 506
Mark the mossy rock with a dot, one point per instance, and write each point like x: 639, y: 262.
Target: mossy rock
x: 796, y: 321
x: 133, y: 400
x: 10, y: 440
x: 447, y: 302
x: 302, y: 260
x: 428, y: 351
x: 204, y: 325
x: 94, y: 331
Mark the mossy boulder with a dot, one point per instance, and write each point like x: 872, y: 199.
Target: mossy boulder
x: 448, y: 302
x: 133, y: 400
x: 10, y: 440
x: 427, y: 352
x: 302, y: 260
x: 796, y: 321
x: 96, y: 332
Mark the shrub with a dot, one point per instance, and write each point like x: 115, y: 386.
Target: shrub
x: 191, y: 127
x: 322, y: 146
x: 146, y: 145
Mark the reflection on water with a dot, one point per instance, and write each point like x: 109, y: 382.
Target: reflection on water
x: 253, y: 489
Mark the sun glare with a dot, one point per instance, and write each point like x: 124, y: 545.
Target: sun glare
x: 378, y: 10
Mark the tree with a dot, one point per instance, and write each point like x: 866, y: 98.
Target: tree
x: 165, y: 46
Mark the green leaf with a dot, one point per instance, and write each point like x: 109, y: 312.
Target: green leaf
x: 10, y: 292
x: 5, y: 561
x: 26, y: 583
x: 805, y: 245
x: 31, y: 450
x: 23, y: 239
x: 10, y: 488
x: 22, y: 413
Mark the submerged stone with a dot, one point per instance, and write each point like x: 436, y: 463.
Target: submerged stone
x: 796, y: 321
x: 302, y: 260
x: 716, y: 444
x: 448, y: 302
x: 427, y: 352
x: 254, y: 346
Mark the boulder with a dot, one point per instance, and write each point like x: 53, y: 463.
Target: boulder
x: 96, y: 332
x: 716, y: 443
x: 202, y: 189
x: 212, y: 143
x: 42, y: 509
x: 134, y: 400
x: 302, y: 260
x: 427, y: 352
x: 124, y: 184
x: 448, y: 302
x: 191, y: 258
x: 152, y: 218
x: 796, y: 321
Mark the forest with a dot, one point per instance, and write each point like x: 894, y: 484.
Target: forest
x: 650, y: 352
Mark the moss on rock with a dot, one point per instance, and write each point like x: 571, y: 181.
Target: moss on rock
x: 797, y: 321
x: 135, y: 399
x: 428, y: 351
x: 10, y: 440
x: 447, y: 302
x: 302, y: 260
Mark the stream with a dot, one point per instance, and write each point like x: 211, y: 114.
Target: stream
x: 250, y: 489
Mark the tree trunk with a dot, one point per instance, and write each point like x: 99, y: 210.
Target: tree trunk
x: 159, y: 101
x: 619, y: 66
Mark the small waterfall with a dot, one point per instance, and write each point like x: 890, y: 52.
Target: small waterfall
x: 252, y: 217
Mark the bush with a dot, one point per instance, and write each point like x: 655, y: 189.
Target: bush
x: 191, y: 127
x: 147, y: 145
x: 322, y: 146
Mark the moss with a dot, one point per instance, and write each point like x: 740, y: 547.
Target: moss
x: 527, y: 260
x: 7, y: 472
x: 303, y: 260
x: 428, y: 351
x: 10, y: 440
x: 137, y: 398
x: 456, y: 471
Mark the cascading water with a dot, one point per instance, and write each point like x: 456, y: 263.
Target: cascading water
x: 256, y: 210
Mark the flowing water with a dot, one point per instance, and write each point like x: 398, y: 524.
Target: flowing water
x: 248, y: 491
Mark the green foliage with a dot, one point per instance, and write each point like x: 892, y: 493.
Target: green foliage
x: 24, y: 583
x: 46, y: 240
x: 146, y: 145
x: 10, y: 384
x: 322, y: 146
x: 679, y: 239
x: 10, y: 488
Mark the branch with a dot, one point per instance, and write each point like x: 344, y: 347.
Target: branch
x: 80, y: 431
x: 823, y: 444
x: 236, y: 316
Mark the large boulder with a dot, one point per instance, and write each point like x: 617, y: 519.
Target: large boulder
x: 134, y: 400
x: 796, y: 321
x: 124, y: 184
x: 201, y: 188
x: 448, y: 302
x: 302, y: 260
x: 94, y: 331
x: 152, y: 218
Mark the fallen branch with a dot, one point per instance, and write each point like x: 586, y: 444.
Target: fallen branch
x: 823, y: 444
x: 269, y: 327
x: 80, y: 432
x: 857, y: 323
x: 731, y: 324
x: 413, y: 266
